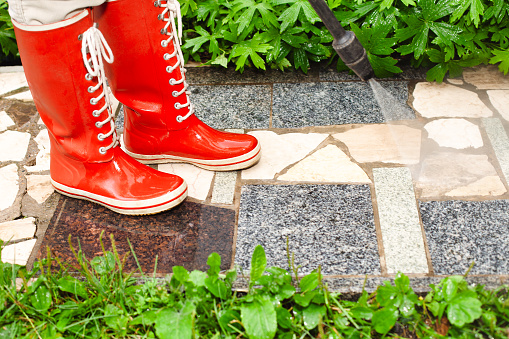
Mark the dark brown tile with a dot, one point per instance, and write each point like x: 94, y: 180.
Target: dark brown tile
x: 184, y: 236
x: 20, y: 112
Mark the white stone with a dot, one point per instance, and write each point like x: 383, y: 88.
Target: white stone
x: 13, y: 145
x: 39, y: 187
x: 280, y: 151
x: 42, y: 161
x: 40, y: 122
x: 224, y: 188
x: 329, y: 164
x: 491, y: 186
x: 198, y: 180
x: 486, y: 77
x: 18, y: 253
x: 500, y: 100
x: 457, y: 81
x: 445, y: 172
x: 9, y: 183
x: 12, y: 81
x: 455, y: 133
x: 17, y: 229
x: 5, y: 121
x: 434, y: 100
x: 25, y: 96
x: 386, y: 143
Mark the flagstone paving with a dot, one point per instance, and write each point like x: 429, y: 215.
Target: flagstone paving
x: 340, y: 184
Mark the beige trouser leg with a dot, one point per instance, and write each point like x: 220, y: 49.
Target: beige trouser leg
x: 41, y: 12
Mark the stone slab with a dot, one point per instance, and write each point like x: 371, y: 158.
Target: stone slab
x: 455, y: 133
x: 39, y: 187
x: 499, y: 142
x: 280, y: 151
x: 399, y: 221
x: 383, y: 143
x: 20, y: 111
x: 223, y: 191
x: 24, y: 96
x: 239, y: 106
x: 17, y: 229
x: 9, y: 182
x: 186, y: 235
x: 443, y: 173
x: 42, y: 160
x: 460, y: 232
x: 328, y: 164
x: 331, y: 103
x: 5, y: 121
x: 500, y: 100
x: 14, y: 145
x: 486, y: 77
x: 328, y: 225
x: 198, y: 180
x: 18, y: 253
x: 433, y: 100
x: 12, y: 81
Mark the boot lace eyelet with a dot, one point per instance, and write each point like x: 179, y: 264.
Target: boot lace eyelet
x: 96, y: 114
x: 91, y: 89
x: 160, y: 17
x: 100, y: 136
x: 164, y: 43
x: 157, y: 4
x: 173, y: 81
x: 177, y: 105
x: 88, y: 76
x: 166, y: 56
x: 98, y: 124
x: 93, y: 102
x: 180, y: 118
x: 102, y: 150
x: 175, y: 94
x: 163, y: 31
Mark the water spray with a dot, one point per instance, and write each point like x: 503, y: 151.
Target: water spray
x: 345, y: 42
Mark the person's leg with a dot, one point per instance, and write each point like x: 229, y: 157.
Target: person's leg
x: 148, y: 77
x: 63, y: 63
x: 43, y: 12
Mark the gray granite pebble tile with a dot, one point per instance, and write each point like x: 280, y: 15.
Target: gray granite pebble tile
x: 331, y: 103
x: 328, y: 225
x: 460, y: 232
x: 409, y: 73
x: 224, y: 187
x: 238, y: 106
x: 119, y: 119
x: 214, y: 75
x: 499, y: 142
x: 399, y: 221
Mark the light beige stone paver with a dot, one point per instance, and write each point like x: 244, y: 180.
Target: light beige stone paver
x: 492, y: 184
x: 456, y: 81
x: 17, y: 229
x: 14, y: 145
x: 9, y: 179
x: 399, y: 221
x: 499, y: 142
x: 486, y: 77
x: 12, y: 81
x: 329, y: 164
x: 280, y: 151
x: 18, y: 253
x: 5, y: 121
x: 39, y: 187
x: 42, y: 161
x: 198, y: 180
x: 500, y: 100
x: 24, y: 96
x: 455, y: 133
x: 434, y: 100
x: 383, y: 143
x: 223, y: 191
x: 444, y: 172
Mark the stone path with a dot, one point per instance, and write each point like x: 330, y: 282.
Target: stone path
x: 341, y: 183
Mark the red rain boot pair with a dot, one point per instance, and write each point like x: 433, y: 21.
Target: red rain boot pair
x: 66, y: 65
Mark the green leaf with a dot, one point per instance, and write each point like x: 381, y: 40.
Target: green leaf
x: 309, y: 282
x: 72, y: 285
x: 476, y: 10
x: 312, y: 315
x: 383, y: 320
x: 217, y: 287
x: 41, y: 298
x: 180, y: 273
x: 463, y: 309
x: 305, y: 298
x: 114, y: 317
x: 103, y: 264
x: 300, y: 60
x: 362, y: 313
x: 503, y: 58
x: 173, y: 324
x: 258, y: 263
x: 197, y: 278
x: 229, y: 320
x: 284, y: 318
x: 214, y: 262
x: 259, y: 319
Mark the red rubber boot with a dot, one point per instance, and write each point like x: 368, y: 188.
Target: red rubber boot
x: 63, y: 63
x: 149, y: 79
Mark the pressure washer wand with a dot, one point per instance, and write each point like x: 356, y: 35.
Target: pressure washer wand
x: 345, y: 42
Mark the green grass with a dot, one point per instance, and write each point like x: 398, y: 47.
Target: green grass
x: 103, y: 301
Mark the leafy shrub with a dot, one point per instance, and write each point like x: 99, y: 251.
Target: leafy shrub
x: 7, y: 38
x: 104, y: 302
x: 445, y: 34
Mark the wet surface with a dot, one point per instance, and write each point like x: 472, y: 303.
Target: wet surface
x: 184, y: 236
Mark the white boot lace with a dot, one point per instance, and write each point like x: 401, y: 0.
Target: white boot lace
x: 169, y: 14
x: 95, y: 45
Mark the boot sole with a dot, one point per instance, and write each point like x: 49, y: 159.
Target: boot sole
x: 230, y: 164
x: 139, y: 207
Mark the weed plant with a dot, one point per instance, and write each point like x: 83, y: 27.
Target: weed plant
x: 103, y: 301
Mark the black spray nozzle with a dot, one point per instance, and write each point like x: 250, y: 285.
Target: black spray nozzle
x: 345, y: 42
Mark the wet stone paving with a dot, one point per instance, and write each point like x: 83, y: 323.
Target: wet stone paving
x: 343, y: 183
